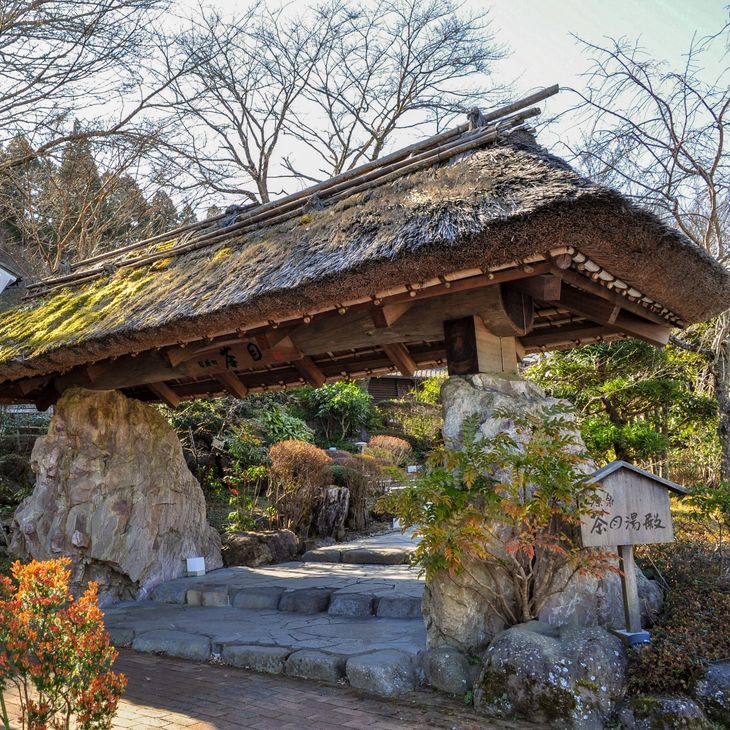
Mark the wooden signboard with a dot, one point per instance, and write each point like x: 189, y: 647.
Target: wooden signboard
x: 236, y: 356
x: 634, y: 511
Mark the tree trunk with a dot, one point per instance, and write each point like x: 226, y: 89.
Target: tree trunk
x: 721, y: 376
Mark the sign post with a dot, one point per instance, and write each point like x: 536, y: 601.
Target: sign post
x: 634, y: 510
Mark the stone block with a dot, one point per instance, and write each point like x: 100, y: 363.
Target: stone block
x: 375, y: 556
x: 305, y: 600
x: 399, y: 605
x: 205, y: 596
x: 322, y: 555
x: 119, y: 637
x: 387, y: 673
x: 447, y: 669
x: 313, y: 664
x: 352, y: 604
x: 170, y: 592
x: 259, y: 548
x: 267, y: 659
x: 174, y: 643
x: 259, y: 599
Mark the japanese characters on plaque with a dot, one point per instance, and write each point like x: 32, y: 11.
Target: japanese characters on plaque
x: 634, y: 510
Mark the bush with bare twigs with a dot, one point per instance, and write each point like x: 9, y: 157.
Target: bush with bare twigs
x: 391, y: 450
x: 296, y: 476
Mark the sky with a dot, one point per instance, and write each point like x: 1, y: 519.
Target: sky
x: 539, y: 35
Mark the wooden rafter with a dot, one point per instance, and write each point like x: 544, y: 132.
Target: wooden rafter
x: 602, y: 311
x: 232, y: 384
x: 400, y: 357
x: 389, y: 314
x: 310, y: 371
x: 586, y: 284
x: 165, y: 393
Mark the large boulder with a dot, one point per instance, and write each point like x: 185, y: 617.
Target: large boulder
x: 113, y: 492
x: 456, y: 608
x: 260, y: 548
x: 565, y: 676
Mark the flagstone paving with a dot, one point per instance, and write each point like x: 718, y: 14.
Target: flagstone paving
x: 325, y: 621
x: 173, y: 694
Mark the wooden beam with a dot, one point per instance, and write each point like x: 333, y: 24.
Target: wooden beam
x: 586, y: 284
x: 310, y: 371
x: 602, y: 311
x: 165, y: 393
x: 30, y: 384
x: 232, y: 383
x: 389, y: 314
x: 400, y: 357
x: 545, y: 288
x: 574, y: 334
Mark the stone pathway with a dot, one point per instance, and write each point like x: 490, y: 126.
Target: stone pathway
x: 390, y: 548
x: 174, y: 694
x: 344, y: 622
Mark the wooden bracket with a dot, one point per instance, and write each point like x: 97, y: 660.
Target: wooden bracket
x: 310, y: 371
x: 400, y: 357
x: 165, y: 393
x: 232, y: 383
x: 388, y: 314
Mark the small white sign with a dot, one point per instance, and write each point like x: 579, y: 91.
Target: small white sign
x: 196, y: 566
x: 219, y: 444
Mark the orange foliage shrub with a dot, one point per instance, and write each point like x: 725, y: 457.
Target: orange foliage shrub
x: 389, y: 449
x: 55, y: 651
x: 297, y: 474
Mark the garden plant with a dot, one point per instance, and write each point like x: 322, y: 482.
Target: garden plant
x: 54, y: 651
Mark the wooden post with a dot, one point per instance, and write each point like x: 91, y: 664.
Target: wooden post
x: 472, y: 348
x: 632, y: 607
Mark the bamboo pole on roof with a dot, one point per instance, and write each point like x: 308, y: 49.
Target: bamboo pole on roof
x: 424, y: 145
x: 273, y: 216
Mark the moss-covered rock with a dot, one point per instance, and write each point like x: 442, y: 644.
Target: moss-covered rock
x: 565, y: 676
x: 648, y: 712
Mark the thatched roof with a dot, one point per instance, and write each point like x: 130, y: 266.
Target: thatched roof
x: 508, y: 202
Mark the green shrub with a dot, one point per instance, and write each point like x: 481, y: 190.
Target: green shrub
x: 340, y: 409
x: 281, y: 426
x: 430, y: 391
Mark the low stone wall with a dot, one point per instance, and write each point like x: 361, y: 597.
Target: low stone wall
x: 113, y: 493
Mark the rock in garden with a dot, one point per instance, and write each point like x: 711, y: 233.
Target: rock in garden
x: 456, y: 607
x: 713, y: 692
x: 448, y: 669
x: 113, y: 492
x: 646, y: 712
x: 388, y: 673
x: 260, y: 548
x: 565, y: 676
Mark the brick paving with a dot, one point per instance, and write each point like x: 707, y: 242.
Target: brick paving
x: 171, y: 693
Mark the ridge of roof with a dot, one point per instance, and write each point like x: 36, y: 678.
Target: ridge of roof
x: 619, y: 464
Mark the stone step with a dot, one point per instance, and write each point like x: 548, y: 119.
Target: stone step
x: 360, y: 556
x: 342, y: 602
